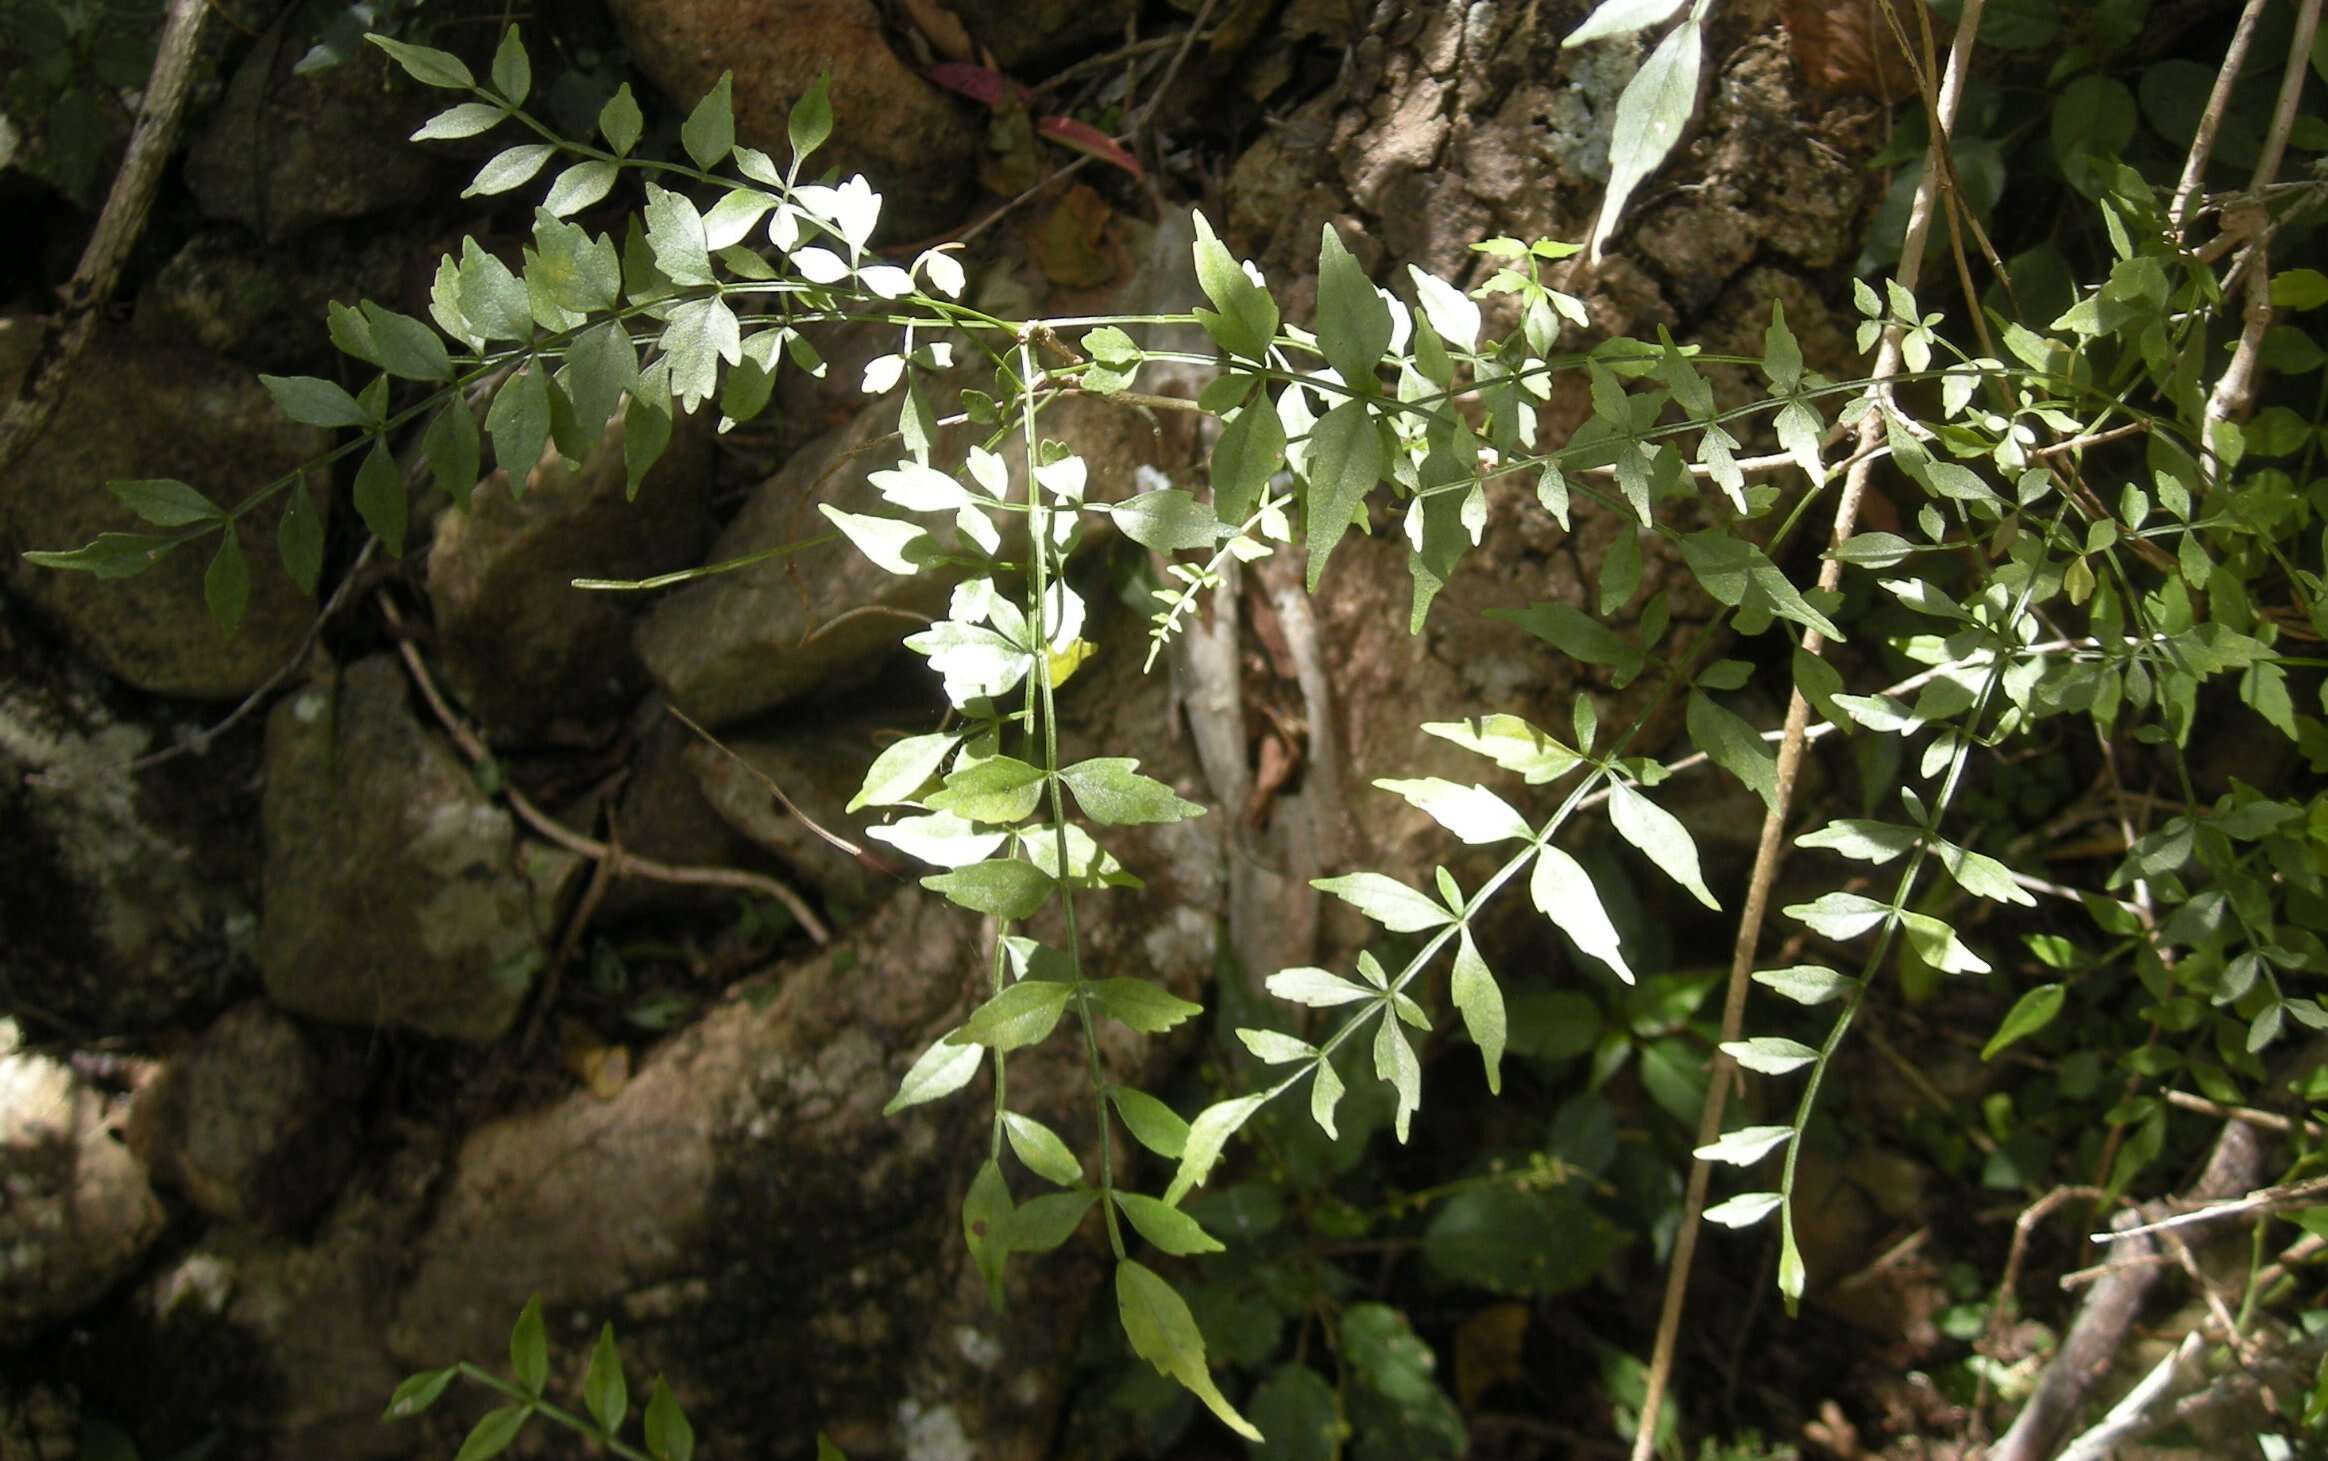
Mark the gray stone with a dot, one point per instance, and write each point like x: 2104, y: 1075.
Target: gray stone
x: 395, y: 890
x: 283, y: 152
x: 760, y: 1232
x: 39, y: 1422
x: 757, y: 1230
x: 522, y: 646
x: 818, y: 770
x: 76, y: 1213
x: 739, y: 643
x: 744, y: 642
x: 248, y: 1124
x: 135, y: 409
x: 265, y: 307
x: 125, y: 899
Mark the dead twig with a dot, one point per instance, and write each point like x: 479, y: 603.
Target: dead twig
x: 1770, y: 847
x: 626, y: 864
x: 2262, y: 1200
x: 601, y: 873
x: 2110, y: 1305
x: 2211, y: 119
x: 151, y: 141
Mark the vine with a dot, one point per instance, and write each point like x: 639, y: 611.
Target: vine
x: 1405, y: 404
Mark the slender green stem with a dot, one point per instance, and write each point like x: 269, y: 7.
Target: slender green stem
x: 1039, y: 550
x: 557, y: 1413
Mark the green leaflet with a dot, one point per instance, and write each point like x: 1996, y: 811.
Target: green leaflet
x: 1167, y: 1227
x: 1734, y: 745
x: 1564, y: 893
x: 1140, y: 1003
x: 1392, y: 904
x: 529, y: 1348
x: 1473, y: 813
x: 1660, y: 836
x: 603, y: 1388
x: 811, y: 120
x: 1395, y: 1064
x: 494, y: 1433
x: 379, y: 498
x: 1167, y: 520
x: 1738, y: 573
x: 314, y: 402
x: 999, y: 790
x: 226, y: 585
x: 1207, y: 1135
x: 1040, y: 1148
x: 898, y: 773
x: 1354, y: 325
x: 2030, y: 1013
x: 512, y: 72
x: 1044, y: 1222
x: 1022, y: 1014
x: 943, y: 1069
x: 1111, y: 792
x: 1346, y: 460
x: 417, y: 1393
x: 1249, y: 452
x: 519, y: 423
x: 1511, y: 743
x: 1162, y: 1332
x: 509, y: 169
x: 710, y: 131
x: 1651, y: 112
x: 669, y: 1436
x: 1152, y: 1124
x: 1480, y: 1001
x: 1247, y: 317
x: 166, y: 503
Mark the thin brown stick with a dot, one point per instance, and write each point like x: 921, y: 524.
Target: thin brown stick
x: 2234, y: 391
x: 2211, y: 119
x: 2107, y: 1314
x: 626, y: 864
x: 2303, y: 1250
x: 1171, y: 70
x: 131, y: 198
x: 2023, y: 1226
x: 2262, y: 1200
x: 601, y: 873
x: 1769, y: 846
x: 2268, y: 1120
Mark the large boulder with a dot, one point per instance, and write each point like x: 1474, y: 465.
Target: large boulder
x: 76, y: 1213
x: 133, y: 408
x: 397, y: 892
x: 524, y: 648
x: 913, y: 141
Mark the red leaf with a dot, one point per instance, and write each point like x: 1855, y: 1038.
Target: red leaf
x: 979, y: 83
x: 1087, y: 139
